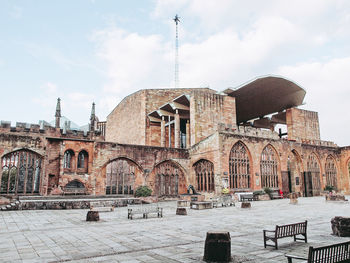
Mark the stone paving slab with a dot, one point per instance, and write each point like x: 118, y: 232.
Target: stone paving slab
x: 65, y: 236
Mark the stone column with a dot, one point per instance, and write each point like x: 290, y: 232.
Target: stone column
x: 188, y: 135
x: 177, y: 129
x: 162, y: 132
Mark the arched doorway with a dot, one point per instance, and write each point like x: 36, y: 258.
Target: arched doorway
x: 21, y: 171
x: 120, y: 177
x: 169, y: 179
x: 292, y: 180
x: 204, y: 170
x: 312, y: 177
x: 239, y: 167
x: 331, y: 172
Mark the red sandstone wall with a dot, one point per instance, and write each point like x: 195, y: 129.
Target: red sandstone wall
x: 302, y: 125
x: 127, y: 122
x: 207, y: 111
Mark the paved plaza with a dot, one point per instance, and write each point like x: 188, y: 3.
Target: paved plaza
x: 65, y: 236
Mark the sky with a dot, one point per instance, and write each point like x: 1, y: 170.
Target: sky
x: 100, y: 51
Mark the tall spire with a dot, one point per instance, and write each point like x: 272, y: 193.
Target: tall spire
x: 58, y: 113
x: 92, y: 117
x: 177, y: 20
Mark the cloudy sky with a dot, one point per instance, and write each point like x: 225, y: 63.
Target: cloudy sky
x: 103, y: 50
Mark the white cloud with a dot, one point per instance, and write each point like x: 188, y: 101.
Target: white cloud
x: 328, y: 93
x: 133, y: 61
x: 227, y: 43
x: 16, y: 12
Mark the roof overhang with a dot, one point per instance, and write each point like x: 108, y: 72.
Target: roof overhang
x: 264, y: 96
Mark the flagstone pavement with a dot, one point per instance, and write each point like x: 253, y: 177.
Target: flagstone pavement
x: 65, y: 236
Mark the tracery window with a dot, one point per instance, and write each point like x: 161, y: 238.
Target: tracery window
x: 239, y: 167
x: 204, y: 175
x: 83, y: 160
x: 169, y: 178
x: 313, y: 168
x: 68, y: 159
x: 331, y: 172
x: 268, y: 167
x: 120, y: 177
x: 20, y: 173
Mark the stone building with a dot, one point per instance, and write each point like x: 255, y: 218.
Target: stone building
x: 169, y: 139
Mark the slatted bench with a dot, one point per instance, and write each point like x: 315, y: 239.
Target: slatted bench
x: 291, y: 230
x: 100, y: 207
x: 248, y: 197
x: 276, y: 195
x: 223, y: 201
x: 336, y: 253
x: 144, y: 210
x: 73, y: 191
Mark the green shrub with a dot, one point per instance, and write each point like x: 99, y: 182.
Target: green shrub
x: 329, y: 188
x: 143, y: 191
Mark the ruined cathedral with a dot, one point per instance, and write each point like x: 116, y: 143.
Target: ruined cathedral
x: 169, y: 139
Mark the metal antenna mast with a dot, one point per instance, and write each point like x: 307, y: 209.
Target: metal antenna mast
x: 177, y: 20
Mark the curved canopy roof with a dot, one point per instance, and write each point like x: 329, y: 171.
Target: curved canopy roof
x: 265, y: 95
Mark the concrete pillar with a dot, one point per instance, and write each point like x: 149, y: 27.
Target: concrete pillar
x: 162, y: 132
x: 188, y: 135
x: 177, y: 129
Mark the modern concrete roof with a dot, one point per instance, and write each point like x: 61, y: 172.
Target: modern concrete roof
x: 265, y: 95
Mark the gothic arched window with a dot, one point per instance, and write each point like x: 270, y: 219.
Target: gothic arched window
x: 268, y: 168
x: 83, y: 161
x: 204, y: 175
x: 68, y: 159
x: 21, y: 172
x: 239, y: 167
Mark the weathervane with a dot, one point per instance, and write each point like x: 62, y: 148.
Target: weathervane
x: 176, y: 20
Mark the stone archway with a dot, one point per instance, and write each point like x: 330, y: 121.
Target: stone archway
x: 121, y: 174
x: 292, y: 181
x: 167, y: 179
x: 312, y: 177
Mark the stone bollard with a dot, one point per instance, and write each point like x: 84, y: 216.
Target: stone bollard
x: 181, y: 211
x: 217, y: 246
x: 293, y: 201
x: 293, y: 198
x: 246, y: 205
x: 92, y: 216
x: 341, y: 226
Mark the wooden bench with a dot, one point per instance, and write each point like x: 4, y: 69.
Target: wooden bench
x: 247, y: 197
x: 276, y: 195
x: 100, y: 207
x: 291, y: 230
x: 73, y: 191
x: 223, y: 201
x: 336, y: 253
x: 144, y: 210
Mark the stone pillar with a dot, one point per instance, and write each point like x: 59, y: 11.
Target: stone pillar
x: 92, y: 216
x: 169, y: 131
x: 162, y: 132
x: 177, y: 129
x: 188, y: 135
